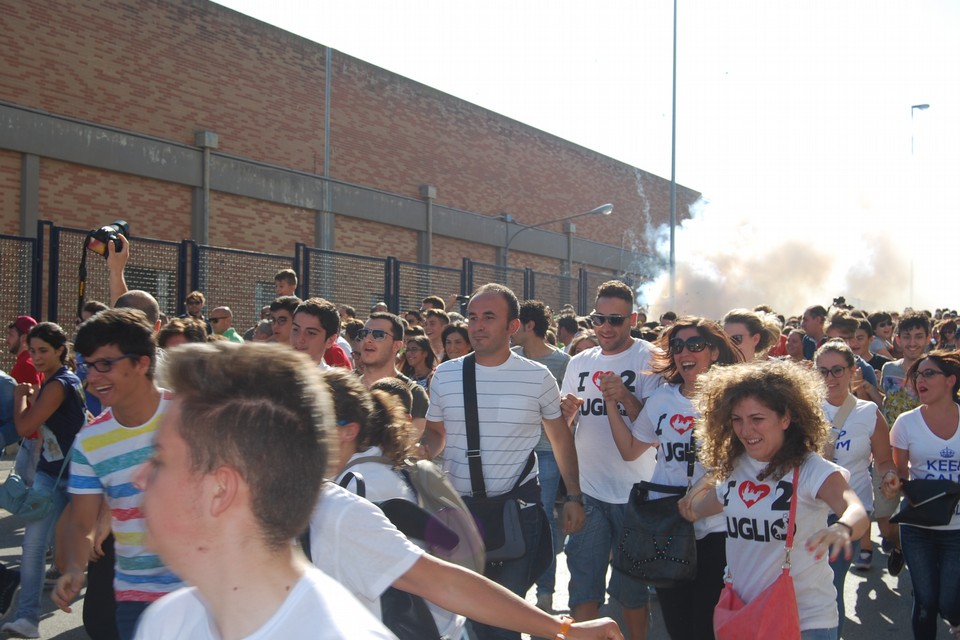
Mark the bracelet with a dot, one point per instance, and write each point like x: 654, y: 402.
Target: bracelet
x: 884, y: 476
x: 565, y: 623
x: 844, y: 524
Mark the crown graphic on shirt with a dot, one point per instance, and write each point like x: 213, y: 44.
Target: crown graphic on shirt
x: 947, y: 452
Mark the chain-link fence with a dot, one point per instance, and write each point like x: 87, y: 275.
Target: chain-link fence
x: 414, y: 282
x: 241, y: 280
x: 555, y: 290
x: 479, y: 274
x: 343, y: 278
x: 155, y: 266
x: 17, y: 257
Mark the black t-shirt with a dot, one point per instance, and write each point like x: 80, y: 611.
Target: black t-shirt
x: 420, y: 399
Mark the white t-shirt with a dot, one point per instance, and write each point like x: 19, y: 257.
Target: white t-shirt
x: 667, y: 421
x: 381, y: 482
x: 604, y: 474
x: 355, y: 544
x: 756, y: 514
x: 317, y: 607
x: 853, y: 450
x: 512, y: 400
x: 931, y: 457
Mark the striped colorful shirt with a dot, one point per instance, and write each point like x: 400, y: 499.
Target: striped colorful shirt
x: 105, y: 457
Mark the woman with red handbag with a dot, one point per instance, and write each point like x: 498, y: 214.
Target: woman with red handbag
x: 761, y: 431
x: 691, y: 346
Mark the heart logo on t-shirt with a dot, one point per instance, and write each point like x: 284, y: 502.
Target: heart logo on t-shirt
x: 596, y: 377
x: 751, y: 493
x: 681, y: 423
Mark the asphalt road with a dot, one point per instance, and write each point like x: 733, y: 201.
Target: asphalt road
x: 878, y: 605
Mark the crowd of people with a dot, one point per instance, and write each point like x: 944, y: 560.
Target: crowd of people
x: 212, y: 482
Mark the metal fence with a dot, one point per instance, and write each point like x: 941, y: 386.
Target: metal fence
x: 155, y: 266
x: 343, y: 278
x: 244, y: 280
x: 17, y: 277
x: 414, y: 282
x: 241, y: 280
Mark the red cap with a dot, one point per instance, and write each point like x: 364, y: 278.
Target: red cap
x: 24, y: 324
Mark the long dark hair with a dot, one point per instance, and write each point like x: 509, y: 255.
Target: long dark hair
x: 53, y: 335
x: 431, y: 359
x: 709, y: 330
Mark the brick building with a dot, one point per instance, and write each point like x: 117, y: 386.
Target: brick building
x: 193, y: 121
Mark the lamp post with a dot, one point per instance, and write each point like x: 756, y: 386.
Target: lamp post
x: 602, y: 210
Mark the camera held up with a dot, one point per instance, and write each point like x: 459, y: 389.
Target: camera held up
x: 97, y: 240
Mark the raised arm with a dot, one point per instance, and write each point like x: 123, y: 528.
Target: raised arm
x: 630, y: 448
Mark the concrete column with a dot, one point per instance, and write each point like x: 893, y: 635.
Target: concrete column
x: 29, y: 194
x: 200, y: 224
x: 425, y: 238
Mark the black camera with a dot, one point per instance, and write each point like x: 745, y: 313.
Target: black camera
x: 97, y: 240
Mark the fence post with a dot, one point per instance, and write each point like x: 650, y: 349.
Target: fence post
x: 582, y: 298
x: 466, y: 277
x: 529, y: 290
x: 391, y: 274
x: 183, y: 261
x: 36, y: 298
x: 52, y: 299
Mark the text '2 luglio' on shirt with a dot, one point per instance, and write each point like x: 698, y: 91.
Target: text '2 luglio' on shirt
x: 604, y: 474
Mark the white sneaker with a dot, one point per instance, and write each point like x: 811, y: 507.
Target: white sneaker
x: 21, y: 628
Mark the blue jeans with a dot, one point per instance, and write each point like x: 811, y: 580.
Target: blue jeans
x: 128, y: 615
x: 549, y: 474
x: 933, y: 557
x: 588, y: 556
x: 513, y: 574
x: 37, y: 536
x: 820, y: 634
x: 27, y: 458
x: 840, y: 568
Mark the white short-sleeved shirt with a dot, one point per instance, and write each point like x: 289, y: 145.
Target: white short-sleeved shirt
x: 756, y: 513
x: 317, y: 607
x: 604, y: 474
x: 667, y: 421
x: 931, y: 457
x: 513, y: 399
x: 853, y: 449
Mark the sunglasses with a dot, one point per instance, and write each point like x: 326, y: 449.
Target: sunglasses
x: 597, y: 319
x: 377, y: 334
x: 927, y: 373
x: 737, y: 339
x: 693, y: 345
x: 216, y: 320
x: 836, y: 371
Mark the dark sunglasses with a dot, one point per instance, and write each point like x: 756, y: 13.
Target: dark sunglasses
x: 836, y: 371
x: 597, y: 319
x: 378, y: 334
x: 737, y: 338
x: 693, y: 345
x: 216, y: 320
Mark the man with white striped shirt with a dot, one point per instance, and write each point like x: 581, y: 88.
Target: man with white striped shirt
x: 514, y: 397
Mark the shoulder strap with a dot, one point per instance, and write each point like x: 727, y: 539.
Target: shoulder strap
x: 793, y: 515
x: 381, y: 459
x: 691, y: 459
x: 358, y: 478
x: 472, y: 418
x: 849, y: 404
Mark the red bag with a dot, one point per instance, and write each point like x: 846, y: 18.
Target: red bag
x: 773, y: 613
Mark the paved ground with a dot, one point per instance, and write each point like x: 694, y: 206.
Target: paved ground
x: 878, y: 606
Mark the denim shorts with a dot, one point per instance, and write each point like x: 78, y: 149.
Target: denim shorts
x: 588, y: 558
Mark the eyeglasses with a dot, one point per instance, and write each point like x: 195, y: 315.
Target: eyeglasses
x: 414, y: 350
x: 193, y: 302
x: 377, y: 334
x: 927, y: 373
x: 737, y: 339
x: 104, y: 365
x: 597, y: 319
x: 695, y: 344
x: 836, y: 371
x: 218, y: 319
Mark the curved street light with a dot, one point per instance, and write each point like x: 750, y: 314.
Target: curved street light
x: 602, y: 210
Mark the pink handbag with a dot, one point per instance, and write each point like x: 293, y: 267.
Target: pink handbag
x: 773, y: 613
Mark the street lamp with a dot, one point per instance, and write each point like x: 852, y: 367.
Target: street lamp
x: 602, y: 210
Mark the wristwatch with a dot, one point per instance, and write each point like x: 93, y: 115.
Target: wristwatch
x: 577, y: 497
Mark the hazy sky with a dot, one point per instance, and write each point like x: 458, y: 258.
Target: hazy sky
x: 793, y: 120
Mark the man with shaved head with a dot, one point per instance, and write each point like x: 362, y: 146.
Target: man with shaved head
x: 221, y: 319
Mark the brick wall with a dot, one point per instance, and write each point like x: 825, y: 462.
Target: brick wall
x: 256, y: 225
x: 168, y: 68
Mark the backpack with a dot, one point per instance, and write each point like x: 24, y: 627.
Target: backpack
x: 439, y: 520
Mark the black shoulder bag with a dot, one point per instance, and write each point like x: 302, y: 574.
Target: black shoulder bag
x: 497, y: 518
x: 658, y: 546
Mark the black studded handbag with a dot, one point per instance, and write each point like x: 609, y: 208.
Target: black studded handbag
x: 657, y: 545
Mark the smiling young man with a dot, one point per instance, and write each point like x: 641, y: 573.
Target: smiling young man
x: 119, y: 353
x: 222, y: 510
x: 378, y: 344
x: 618, y: 369
x: 514, y: 397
